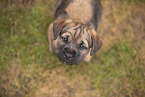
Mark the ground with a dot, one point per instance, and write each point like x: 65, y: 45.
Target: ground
x: 28, y: 69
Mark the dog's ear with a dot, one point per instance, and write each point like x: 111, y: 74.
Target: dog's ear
x: 58, y: 26
x: 97, y: 42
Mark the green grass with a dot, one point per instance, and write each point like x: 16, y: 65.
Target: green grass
x: 29, y: 69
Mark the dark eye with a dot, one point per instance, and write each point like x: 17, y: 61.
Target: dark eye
x: 82, y: 46
x: 64, y: 39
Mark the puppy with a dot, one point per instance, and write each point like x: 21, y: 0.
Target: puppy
x: 72, y: 35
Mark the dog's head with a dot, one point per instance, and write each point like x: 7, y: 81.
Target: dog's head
x: 73, y: 42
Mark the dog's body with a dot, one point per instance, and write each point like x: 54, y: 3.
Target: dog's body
x: 87, y: 12
x: 72, y: 35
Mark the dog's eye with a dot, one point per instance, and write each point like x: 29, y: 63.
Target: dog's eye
x: 64, y: 39
x: 82, y: 46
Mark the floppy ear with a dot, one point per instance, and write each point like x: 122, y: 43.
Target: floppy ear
x: 97, y: 43
x: 58, y: 26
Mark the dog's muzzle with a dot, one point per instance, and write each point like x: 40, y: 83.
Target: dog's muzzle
x: 68, y: 56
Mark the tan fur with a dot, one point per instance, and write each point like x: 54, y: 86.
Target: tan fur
x: 88, y: 57
x: 80, y: 11
x: 50, y: 36
x: 52, y: 42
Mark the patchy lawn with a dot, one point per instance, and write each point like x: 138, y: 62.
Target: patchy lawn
x: 28, y: 69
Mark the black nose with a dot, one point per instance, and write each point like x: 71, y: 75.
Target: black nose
x: 68, y: 53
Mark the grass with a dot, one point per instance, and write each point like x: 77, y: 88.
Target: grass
x: 28, y: 69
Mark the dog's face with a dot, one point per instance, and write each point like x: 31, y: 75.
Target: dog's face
x: 73, y: 42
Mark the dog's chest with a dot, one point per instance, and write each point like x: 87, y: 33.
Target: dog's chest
x: 80, y: 10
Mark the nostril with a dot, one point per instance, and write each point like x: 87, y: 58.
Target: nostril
x: 68, y: 55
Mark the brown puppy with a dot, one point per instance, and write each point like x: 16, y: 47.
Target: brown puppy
x: 72, y: 35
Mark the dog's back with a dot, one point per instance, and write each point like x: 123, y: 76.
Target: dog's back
x: 80, y: 11
x: 87, y: 12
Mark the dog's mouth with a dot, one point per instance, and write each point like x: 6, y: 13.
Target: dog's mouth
x: 68, y: 57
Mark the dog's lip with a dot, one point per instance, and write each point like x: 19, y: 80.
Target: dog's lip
x: 66, y: 61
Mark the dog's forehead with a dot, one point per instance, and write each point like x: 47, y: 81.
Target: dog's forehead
x: 78, y: 30
x: 78, y: 33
